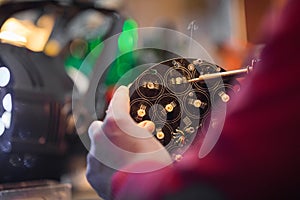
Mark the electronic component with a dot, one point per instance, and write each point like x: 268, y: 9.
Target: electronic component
x: 180, y: 99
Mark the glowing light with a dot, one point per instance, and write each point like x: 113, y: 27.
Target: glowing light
x: 130, y: 24
x: 14, y: 32
x: 11, y: 37
x: 6, y: 119
x: 128, y: 38
x: 2, y: 128
x: 7, y: 102
x: 26, y: 33
x: 52, y: 48
x: 126, y: 41
x: 4, y: 76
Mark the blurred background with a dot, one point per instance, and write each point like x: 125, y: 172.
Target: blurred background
x: 46, y: 45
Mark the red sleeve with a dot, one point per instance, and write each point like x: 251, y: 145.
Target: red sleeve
x: 257, y: 155
x: 145, y: 185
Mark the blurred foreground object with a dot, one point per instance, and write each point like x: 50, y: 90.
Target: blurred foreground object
x: 46, y: 190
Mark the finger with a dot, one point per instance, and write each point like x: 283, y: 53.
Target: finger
x: 120, y: 101
x: 118, y: 117
x: 148, y: 125
x: 94, y: 128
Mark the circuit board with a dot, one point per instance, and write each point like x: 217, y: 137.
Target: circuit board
x: 180, y: 108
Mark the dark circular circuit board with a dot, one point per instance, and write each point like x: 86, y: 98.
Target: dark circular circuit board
x: 179, y: 108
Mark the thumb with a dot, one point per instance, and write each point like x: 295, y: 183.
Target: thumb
x: 148, y: 125
x: 94, y: 128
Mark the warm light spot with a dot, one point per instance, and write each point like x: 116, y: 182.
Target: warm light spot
x: 26, y: 33
x: 52, y: 48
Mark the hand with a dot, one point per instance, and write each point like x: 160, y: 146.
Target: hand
x: 118, y: 143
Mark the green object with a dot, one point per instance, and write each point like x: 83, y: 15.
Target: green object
x: 124, y: 61
x: 128, y: 38
x: 127, y: 42
x: 83, y: 65
x: 130, y: 24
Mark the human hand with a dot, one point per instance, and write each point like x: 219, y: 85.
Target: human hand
x: 118, y: 143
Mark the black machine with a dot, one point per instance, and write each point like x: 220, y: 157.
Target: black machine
x: 37, y: 124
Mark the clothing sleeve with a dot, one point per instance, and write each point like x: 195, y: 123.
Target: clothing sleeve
x: 257, y: 154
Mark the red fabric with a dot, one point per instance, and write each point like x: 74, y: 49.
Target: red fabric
x: 258, y: 153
